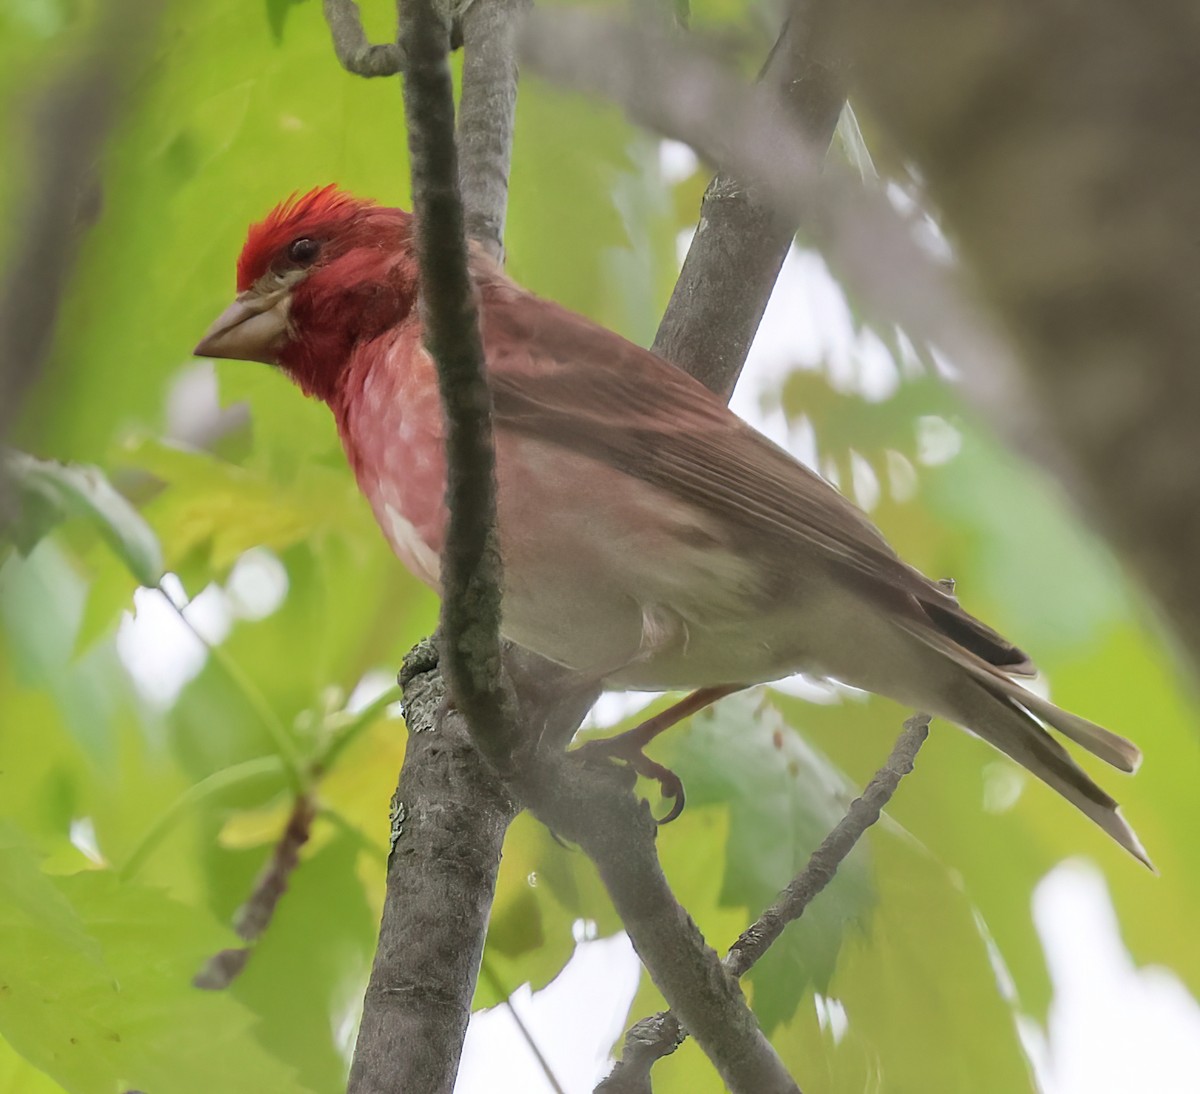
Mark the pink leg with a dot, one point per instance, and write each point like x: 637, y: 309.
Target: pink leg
x: 629, y: 746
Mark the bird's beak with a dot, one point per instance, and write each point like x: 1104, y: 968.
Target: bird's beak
x: 252, y: 328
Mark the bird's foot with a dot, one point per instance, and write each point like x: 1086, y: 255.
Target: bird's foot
x: 627, y: 748
x: 630, y: 746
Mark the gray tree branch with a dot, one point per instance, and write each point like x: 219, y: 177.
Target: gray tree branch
x: 486, y: 111
x: 649, y: 1040
x: 688, y: 972
x: 350, y: 45
x: 741, y: 239
x: 594, y: 806
x: 471, y: 574
x: 750, y: 133
x: 255, y: 915
x: 449, y: 816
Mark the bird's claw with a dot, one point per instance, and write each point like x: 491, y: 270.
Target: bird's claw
x: 670, y: 784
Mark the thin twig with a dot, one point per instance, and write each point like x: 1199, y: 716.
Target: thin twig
x: 281, y: 738
x: 493, y: 979
x: 661, y: 1034
x: 863, y: 812
x: 471, y: 569
x: 356, y: 54
x: 255, y: 915
x: 450, y: 811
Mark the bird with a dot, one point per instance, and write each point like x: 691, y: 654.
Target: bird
x: 651, y: 539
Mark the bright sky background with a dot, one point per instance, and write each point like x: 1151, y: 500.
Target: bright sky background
x: 1113, y: 1028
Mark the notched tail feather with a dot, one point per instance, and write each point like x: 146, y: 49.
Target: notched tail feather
x: 998, y: 709
x: 993, y: 714
x: 1103, y: 743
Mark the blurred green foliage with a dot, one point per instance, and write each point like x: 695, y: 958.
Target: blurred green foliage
x: 134, y: 818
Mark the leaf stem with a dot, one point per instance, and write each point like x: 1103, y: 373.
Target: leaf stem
x: 299, y: 776
x: 217, y: 783
x: 350, y: 732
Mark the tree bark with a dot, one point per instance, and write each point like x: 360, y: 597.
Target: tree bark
x: 1059, y: 142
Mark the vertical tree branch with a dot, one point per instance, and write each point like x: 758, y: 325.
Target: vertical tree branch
x: 450, y: 809
x: 742, y: 238
x: 449, y: 816
x: 471, y: 573
x: 486, y: 112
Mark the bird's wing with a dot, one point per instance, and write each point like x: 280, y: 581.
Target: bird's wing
x: 566, y: 381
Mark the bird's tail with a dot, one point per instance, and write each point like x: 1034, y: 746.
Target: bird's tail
x: 999, y: 710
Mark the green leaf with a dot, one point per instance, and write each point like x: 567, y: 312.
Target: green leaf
x: 222, y: 509
x: 783, y: 798
x: 1032, y: 557
x: 847, y: 422
x: 49, y: 489
x: 97, y: 988
x: 19, y: 1076
x: 917, y: 1002
x: 306, y: 976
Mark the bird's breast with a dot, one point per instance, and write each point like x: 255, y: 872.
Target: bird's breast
x: 391, y: 429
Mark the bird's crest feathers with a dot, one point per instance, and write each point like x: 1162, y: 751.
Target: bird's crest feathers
x: 297, y: 216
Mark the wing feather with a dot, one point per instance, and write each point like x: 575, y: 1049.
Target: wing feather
x: 559, y: 378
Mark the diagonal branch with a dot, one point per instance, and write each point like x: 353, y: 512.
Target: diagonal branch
x: 649, y: 1040
x: 864, y: 811
x: 255, y: 915
x: 741, y: 239
x: 594, y: 806
x: 748, y: 132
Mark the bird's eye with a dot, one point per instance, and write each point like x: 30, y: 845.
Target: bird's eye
x: 303, y: 251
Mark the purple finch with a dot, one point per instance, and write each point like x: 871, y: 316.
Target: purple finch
x: 651, y: 539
